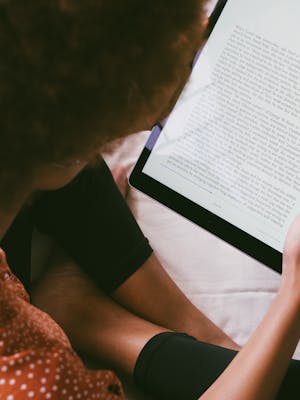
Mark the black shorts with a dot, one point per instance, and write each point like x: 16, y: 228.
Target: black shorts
x: 91, y: 221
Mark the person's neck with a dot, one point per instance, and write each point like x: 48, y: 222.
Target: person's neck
x: 8, y: 212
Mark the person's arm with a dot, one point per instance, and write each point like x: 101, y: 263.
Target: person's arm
x: 258, y: 370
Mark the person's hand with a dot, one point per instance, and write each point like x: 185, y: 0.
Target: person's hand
x: 291, y: 257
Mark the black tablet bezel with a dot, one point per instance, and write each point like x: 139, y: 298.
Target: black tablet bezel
x: 197, y: 214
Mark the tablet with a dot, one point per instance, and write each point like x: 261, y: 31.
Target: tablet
x: 228, y: 156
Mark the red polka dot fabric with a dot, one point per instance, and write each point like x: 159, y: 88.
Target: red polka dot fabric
x: 36, y: 358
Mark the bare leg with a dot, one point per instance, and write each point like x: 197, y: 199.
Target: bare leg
x: 152, y: 294
x: 98, y: 326
x: 94, y: 322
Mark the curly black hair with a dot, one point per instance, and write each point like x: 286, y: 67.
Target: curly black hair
x: 77, y: 73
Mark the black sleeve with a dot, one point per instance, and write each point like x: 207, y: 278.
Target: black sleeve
x: 175, y: 366
x: 91, y: 221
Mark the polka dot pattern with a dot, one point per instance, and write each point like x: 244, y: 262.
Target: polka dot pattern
x: 36, y: 359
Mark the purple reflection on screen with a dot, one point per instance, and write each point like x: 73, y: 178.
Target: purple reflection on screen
x: 153, y: 137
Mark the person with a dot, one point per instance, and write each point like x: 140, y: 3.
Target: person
x: 77, y: 74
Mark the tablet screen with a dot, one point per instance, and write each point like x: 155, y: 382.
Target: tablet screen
x: 232, y: 142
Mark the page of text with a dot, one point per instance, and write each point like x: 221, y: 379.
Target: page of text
x: 232, y: 143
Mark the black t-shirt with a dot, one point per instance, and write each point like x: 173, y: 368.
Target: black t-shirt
x: 91, y: 221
